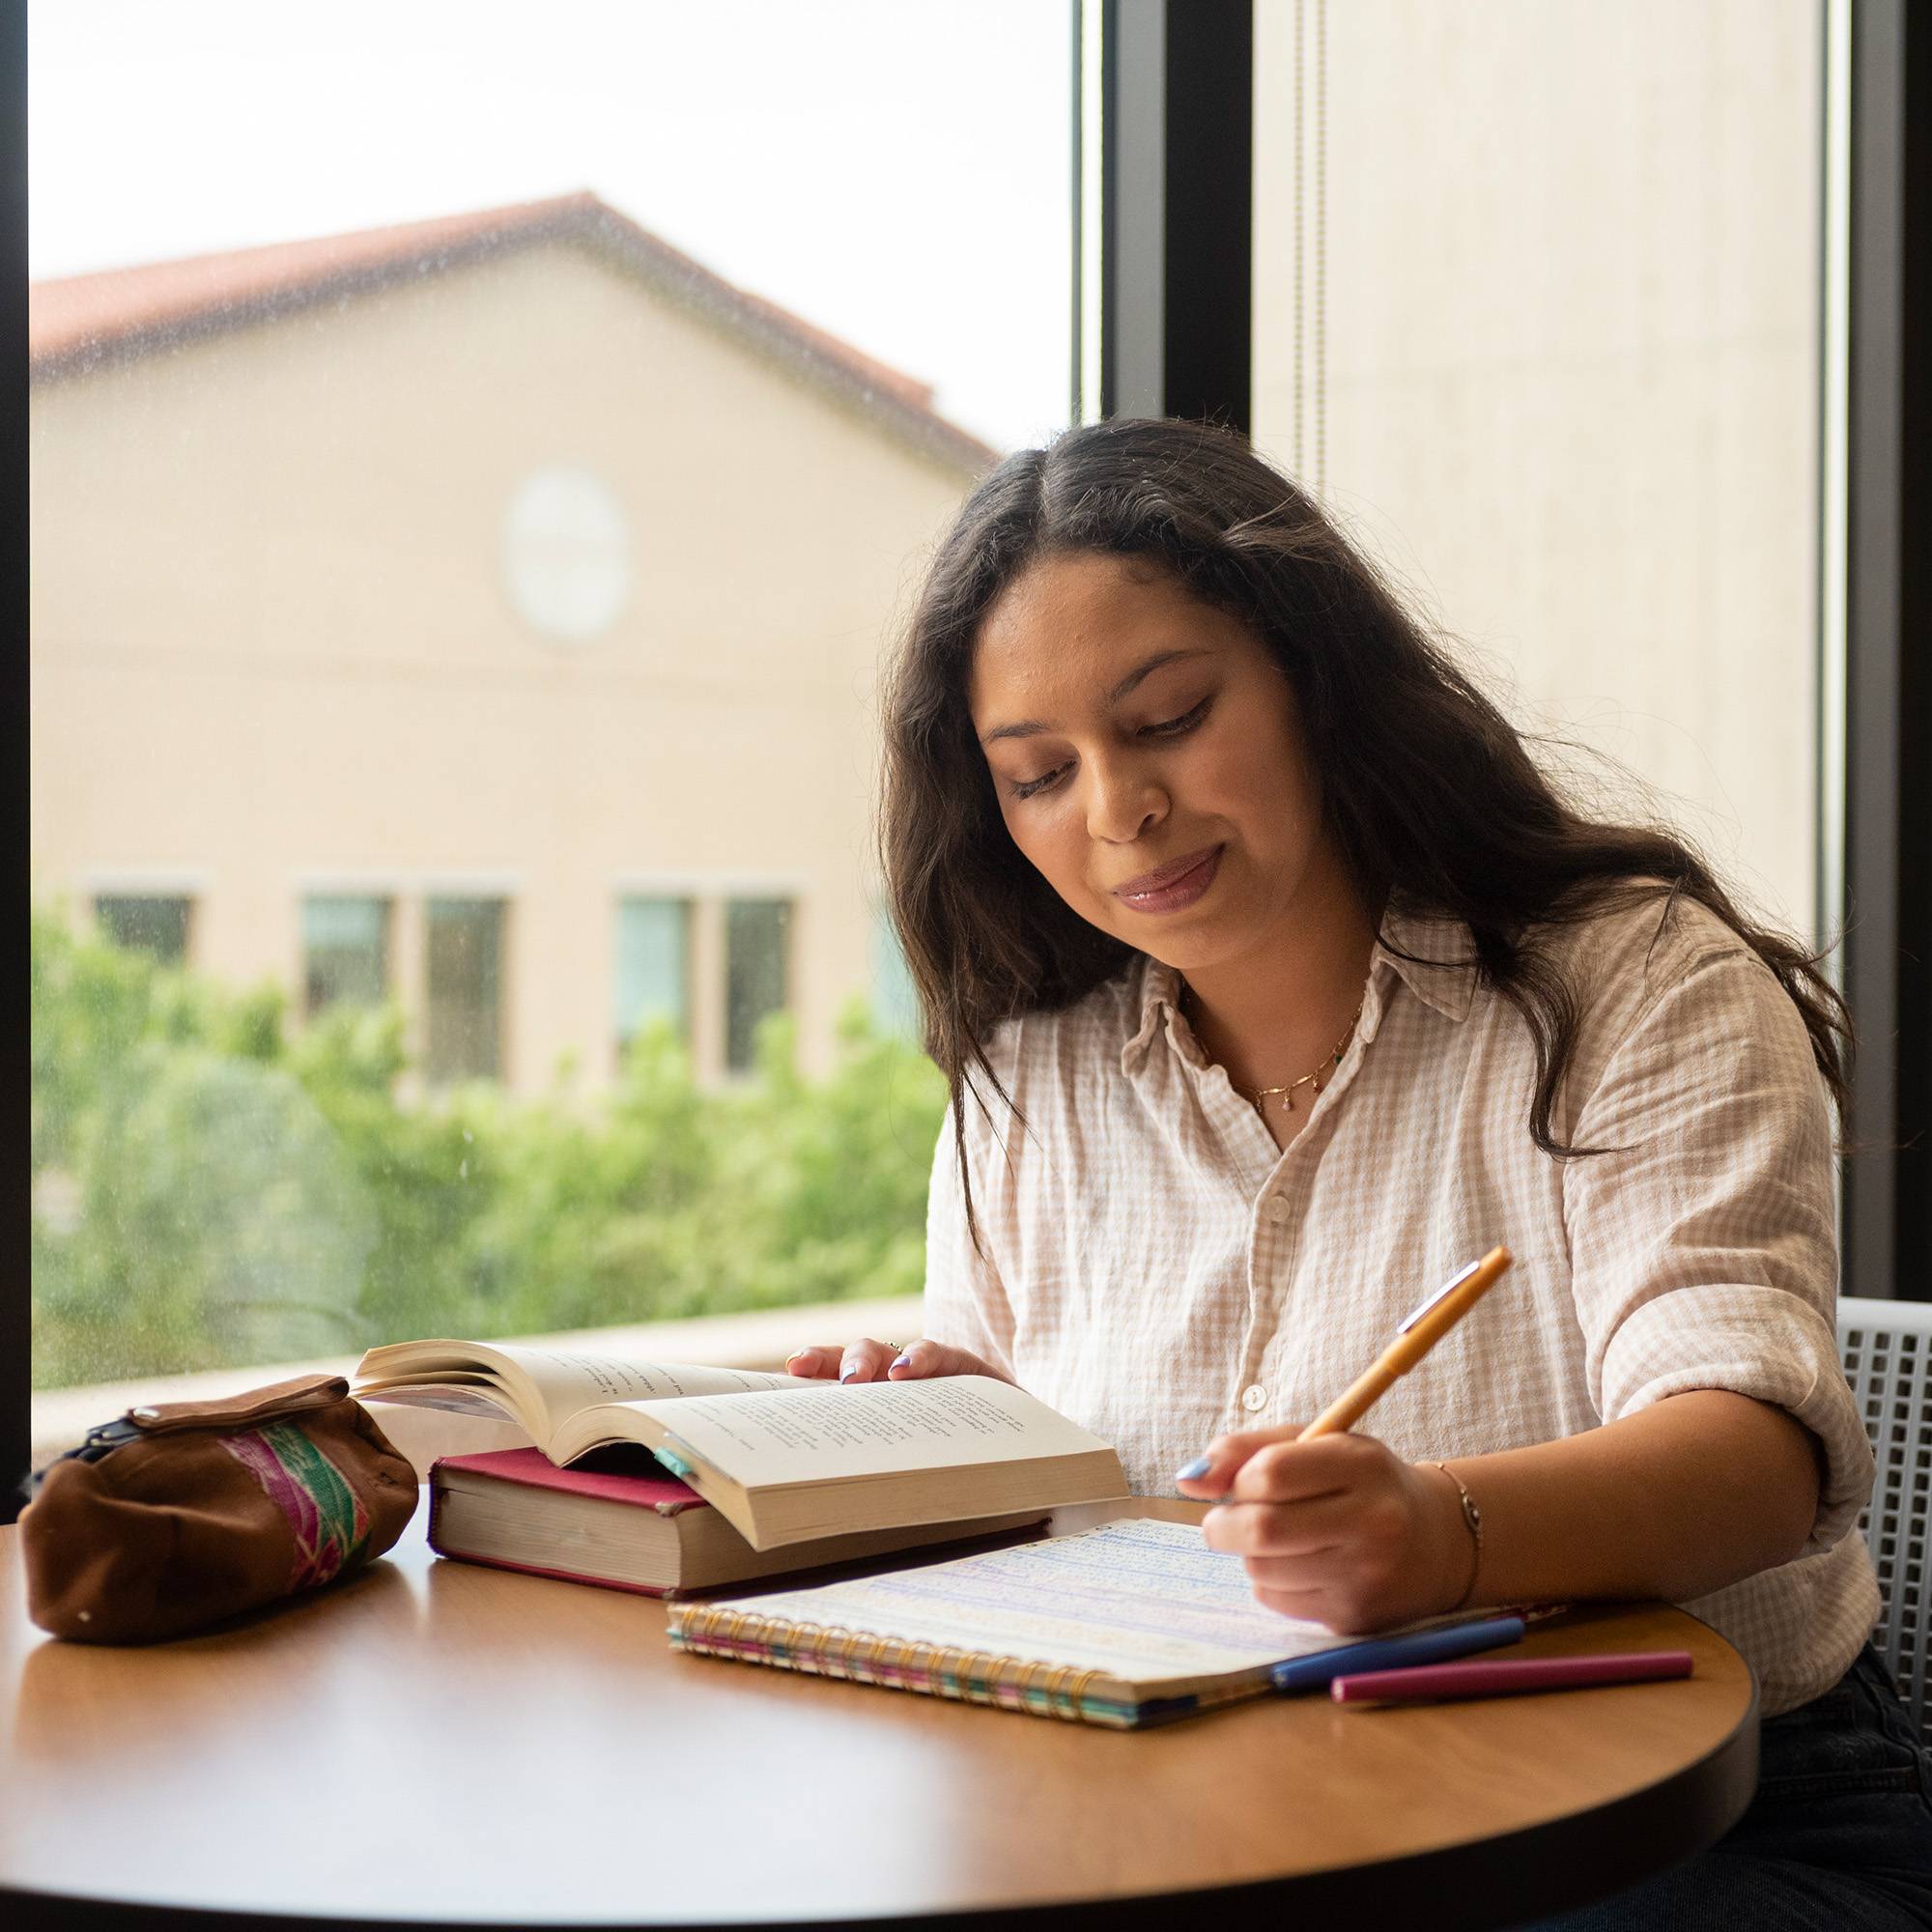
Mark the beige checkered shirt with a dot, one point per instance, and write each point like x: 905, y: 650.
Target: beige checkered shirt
x: 1157, y: 1270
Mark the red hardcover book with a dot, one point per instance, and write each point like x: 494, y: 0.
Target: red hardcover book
x: 514, y: 1509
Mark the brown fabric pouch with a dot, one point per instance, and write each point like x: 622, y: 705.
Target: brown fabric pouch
x: 184, y: 1513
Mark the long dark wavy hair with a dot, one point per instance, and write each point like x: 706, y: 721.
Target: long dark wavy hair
x: 1433, y: 799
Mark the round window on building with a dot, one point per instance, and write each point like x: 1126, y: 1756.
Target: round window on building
x: 567, y: 553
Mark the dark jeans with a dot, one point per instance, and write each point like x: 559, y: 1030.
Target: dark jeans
x: 1837, y: 1839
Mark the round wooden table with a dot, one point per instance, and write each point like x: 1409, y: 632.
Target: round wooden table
x: 437, y: 1742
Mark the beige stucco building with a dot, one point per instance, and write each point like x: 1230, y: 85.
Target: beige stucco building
x: 484, y: 612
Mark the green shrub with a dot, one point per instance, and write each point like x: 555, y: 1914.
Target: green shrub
x: 210, y: 1192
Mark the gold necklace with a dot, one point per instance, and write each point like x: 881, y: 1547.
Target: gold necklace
x: 1256, y: 1096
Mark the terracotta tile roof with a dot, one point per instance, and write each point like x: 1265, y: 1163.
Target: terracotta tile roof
x: 83, y: 321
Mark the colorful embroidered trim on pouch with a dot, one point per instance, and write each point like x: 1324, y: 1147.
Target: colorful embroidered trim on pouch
x: 325, y: 1514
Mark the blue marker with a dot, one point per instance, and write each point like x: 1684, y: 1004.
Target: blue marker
x: 1396, y: 1652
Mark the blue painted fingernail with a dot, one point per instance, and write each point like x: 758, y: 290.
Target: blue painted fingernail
x: 897, y: 1363
x: 848, y: 1374
x: 1195, y: 1470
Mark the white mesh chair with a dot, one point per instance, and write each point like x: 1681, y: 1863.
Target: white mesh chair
x: 1886, y: 1348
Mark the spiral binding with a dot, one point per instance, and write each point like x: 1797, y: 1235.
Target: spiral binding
x: 832, y: 1650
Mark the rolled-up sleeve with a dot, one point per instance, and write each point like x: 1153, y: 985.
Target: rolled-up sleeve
x: 1704, y: 1251
x: 966, y: 1303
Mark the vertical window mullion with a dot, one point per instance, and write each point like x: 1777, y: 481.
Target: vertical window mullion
x: 1889, y: 599
x: 17, y: 1321
x: 1176, y: 209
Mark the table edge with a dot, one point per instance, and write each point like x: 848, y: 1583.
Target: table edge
x: 1687, y: 1810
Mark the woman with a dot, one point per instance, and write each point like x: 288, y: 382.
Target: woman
x: 1274, y: 982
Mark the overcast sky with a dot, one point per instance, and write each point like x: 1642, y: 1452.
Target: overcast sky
x: 896, y: 171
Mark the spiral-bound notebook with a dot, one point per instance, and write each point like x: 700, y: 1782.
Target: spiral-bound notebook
x: 1133, y: 1623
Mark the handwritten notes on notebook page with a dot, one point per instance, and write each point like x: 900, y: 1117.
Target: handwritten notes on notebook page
x: 1144, y: 1602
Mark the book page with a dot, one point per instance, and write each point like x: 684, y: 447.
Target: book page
x: 1142, y: 1601
x: 867, y: 1429
x: 568, y: 1382
x: 464, y: 1375
x: 458, y: 1398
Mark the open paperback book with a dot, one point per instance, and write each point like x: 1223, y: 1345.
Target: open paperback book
x: 781, y: 1458
x: 1131, y: 1624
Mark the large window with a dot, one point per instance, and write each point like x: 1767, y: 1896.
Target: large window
x: 526, y: 488
x: 452, y: 526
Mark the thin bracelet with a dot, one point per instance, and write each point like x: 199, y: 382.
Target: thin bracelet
x: 1472, y: 1518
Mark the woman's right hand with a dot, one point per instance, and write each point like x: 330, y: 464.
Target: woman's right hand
x: 869, y: 1361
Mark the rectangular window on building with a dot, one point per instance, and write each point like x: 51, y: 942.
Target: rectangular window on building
x: 894, y: 997
x: 345, y: 951
x: 465, y: 989
x: 157, y: 925
x: 758, y: 973
x: 653, y: 965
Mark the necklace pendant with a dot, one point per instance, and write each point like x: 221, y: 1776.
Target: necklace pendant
x: 1258, y: 1097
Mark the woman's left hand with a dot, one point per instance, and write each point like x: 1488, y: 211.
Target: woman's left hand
x: 1339, y: 1531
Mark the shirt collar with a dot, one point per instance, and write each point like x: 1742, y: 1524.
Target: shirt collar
x: 1157, y: 1002
x: 1434, y: 957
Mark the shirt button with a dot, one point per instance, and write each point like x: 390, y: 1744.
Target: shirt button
x: 1255, y: 1398
x: 1277, y: 1208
